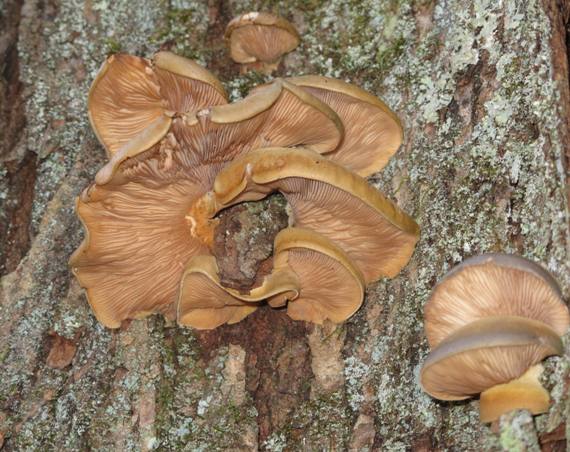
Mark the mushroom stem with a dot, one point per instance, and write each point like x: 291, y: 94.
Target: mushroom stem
x: 523, y: 393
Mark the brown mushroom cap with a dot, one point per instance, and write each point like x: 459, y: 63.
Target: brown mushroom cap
x: 138, y: 238
x: 494, y: 285
x: 260, y: 37
x: 373, y: 133
x: 204, y: 303
x: 330, y: 286
x: 486, y: 353
x: 276, y: 115
x: 273, y: 116
x: 315, y: 276
x: 132, y: 100
x: 327, y: 198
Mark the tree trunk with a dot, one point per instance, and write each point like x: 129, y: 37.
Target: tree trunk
x: 483, y: 93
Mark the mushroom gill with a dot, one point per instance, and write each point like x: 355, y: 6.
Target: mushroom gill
x: 490, y: 322
x: 258, y: 40
x: 132, y: 100
x: 327, y: 198
x: 373, y: 133
x: 494, y: 285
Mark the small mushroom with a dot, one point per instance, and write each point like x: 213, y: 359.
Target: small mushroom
x: 494, y: 285
x: 259, y: 40
x: 314, y: 275
x: 324, y: 197
x: 372, y: 132
x: 490, y: 322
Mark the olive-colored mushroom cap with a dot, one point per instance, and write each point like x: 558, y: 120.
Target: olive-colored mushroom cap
x: 373, y: 133
x: 132, y: 100
x: 494, y: 285
x: 486, y: 353
x: 327, y: 198
x: 259, y: 36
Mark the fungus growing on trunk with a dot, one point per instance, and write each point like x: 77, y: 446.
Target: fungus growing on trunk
x: 372, y: 132
x: 179, y: 153
x: 259, y: 40
x: 490, y: 322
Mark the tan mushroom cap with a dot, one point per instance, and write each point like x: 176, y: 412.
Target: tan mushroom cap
x: 204, y: 303
x: 373, y: 133
x: 132, y: 100
x: 486, y: 353
x: 138, y: 239
x: 276, y: 115
x: 326, y: 198
x: 494, y: 285
x: 330, y: 286
x: 315, y: 276
x: 260, y: 37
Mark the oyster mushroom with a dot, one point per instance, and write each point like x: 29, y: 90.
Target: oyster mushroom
x: 324, y: 197
x: 490, y: 322
x: 372, y: 132
x: 132, y: 100
x: 140, y: 232
x: 494, y: 285
x: 312, y: 273
x: 258, y: 40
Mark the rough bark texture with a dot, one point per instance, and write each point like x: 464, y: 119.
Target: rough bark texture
x: 482, y: 90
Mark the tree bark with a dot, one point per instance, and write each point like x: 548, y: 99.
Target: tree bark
x: 482, y: 90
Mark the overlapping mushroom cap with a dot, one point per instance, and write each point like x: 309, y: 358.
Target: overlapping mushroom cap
x: 490, y: 322
x: 494, y: 285
x: 326, y: 198
x: 315, y: 276
x: 149, y: 216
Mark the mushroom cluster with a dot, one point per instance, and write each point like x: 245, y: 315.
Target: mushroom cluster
x: 490, y: 322
x: 179, y: 153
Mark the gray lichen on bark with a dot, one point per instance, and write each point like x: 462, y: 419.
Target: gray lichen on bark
x: 482, y: 169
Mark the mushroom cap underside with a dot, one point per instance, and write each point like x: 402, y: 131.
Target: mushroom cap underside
x: 494, y: 285
x: 260, y: 37
x: 315, y: 276
x: 329, y: 199
x: 486, y: 353
x: 373, y: 133
x: 131, y: 94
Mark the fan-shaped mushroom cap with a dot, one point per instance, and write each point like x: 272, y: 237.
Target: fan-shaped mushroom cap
x: 132, y: 100
x: 327, y: 198
x: 204, y: 303
x: 494, y: 285
x: 275, y: 115
x: 260, y: 37
x: 486, y: 353
x: 373, y: 133
x: 138, y: 237
x: 330, y: 286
